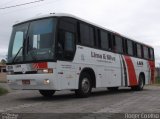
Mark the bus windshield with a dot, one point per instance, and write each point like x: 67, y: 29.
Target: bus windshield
x: 33, y: 41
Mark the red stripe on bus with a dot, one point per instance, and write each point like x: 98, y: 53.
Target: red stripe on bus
x: 152, y: 68
x: 42, y: 65
x: 131, y: 71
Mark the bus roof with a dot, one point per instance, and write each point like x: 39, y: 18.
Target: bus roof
x: 72, y: 16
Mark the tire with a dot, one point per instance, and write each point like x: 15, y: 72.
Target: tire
x: 47, y: 93
x: 140, y: 85
x: 112, y: 89
x: 85, y: 86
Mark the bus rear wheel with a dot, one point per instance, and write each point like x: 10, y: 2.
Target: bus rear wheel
x: 47, y: 93
x: 85, y: 86
x: 140, y: 85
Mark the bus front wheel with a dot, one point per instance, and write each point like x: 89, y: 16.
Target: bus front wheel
x: 85, y: 85
x: 47, y: 93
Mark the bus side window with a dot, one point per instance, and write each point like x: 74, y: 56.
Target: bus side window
x: 69, y: 42
x: 129, y: 47
x: 139, y: 51
x: 104, y: 40
x: 134, y: 49
x: 118, y: 44
x: 124, y: 46
x: 145, y: 50
x: 66, y: 40
x: 151, y: 54
x: 113, y: 43
x: 110, y: 41
x: 87, y: 36
x: 142, y: 50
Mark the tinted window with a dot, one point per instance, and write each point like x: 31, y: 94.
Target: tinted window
x: 41, y: 34
x: 151, y: 52
x: 146, y: 54
x: 139, y: 51
x: 104, y: 40
x: 118, y: 44
x: 129, y: 47
x: 68, y: 26
x: 86, y: 35
x: 66, y: 39
x: 16, y: 43
x: 41, y: 40
x: 69, y: 42
x: 135, y: 49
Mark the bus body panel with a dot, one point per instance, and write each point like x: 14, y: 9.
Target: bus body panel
x: 112, y: 68
x: 109, y: 68
x: 133, y: 72
x: 67, y: 75
x: 105, y: 64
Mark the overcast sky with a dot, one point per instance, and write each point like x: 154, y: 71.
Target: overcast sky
x: 136, y: 19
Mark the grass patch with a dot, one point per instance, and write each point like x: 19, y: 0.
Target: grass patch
x: 157, y: 80
x: 3, y: 81
x: 3, y: 91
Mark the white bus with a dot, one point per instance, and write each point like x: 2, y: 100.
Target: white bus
x: 61, y: 51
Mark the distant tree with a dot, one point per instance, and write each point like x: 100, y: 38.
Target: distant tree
x: 3, y: 61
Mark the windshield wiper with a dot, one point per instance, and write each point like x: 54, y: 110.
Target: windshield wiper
x: 17, y: 54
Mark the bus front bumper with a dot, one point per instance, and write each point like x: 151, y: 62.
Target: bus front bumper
x: 31, y: 82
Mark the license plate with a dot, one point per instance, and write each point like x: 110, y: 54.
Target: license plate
x: 25, y: 82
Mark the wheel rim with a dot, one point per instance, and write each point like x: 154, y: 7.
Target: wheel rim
x: 85, y: 85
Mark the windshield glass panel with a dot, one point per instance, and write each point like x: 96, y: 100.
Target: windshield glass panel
x: 16, y: 43
x: 40, y: 45
x: 33, y: 41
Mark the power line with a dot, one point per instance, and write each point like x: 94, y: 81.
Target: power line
x: 21, y: 4
x: 6, y: 3
x: 18, y: 10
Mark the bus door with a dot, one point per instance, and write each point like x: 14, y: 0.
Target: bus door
x: 66, y: 45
